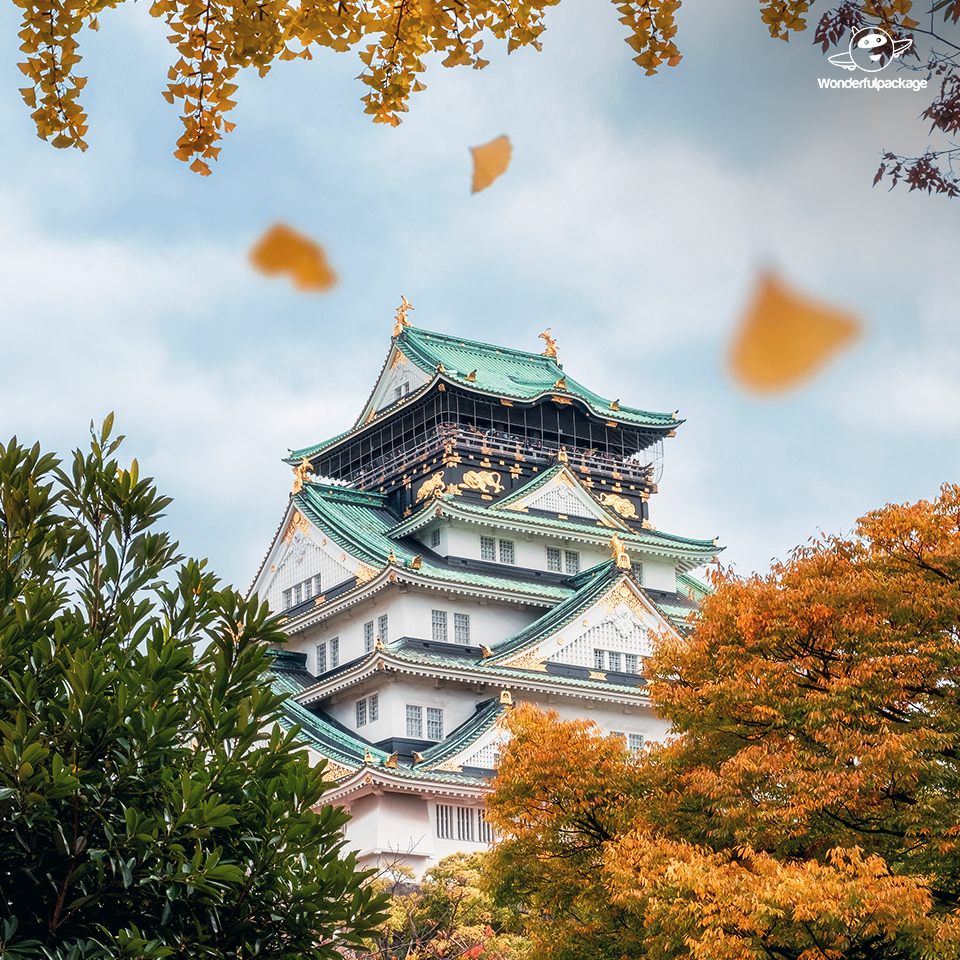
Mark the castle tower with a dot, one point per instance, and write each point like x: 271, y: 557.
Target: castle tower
x: 479, y: 537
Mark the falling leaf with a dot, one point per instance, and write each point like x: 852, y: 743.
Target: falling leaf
x: 489, y: 162
x: 786, y: 337
x: 284, y: 250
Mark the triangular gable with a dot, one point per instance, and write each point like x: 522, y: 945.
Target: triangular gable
x: 399, y: 378
x: 473, y: 744
x: 560, y: 491
x: 620, y: 621
x: 303, y: 556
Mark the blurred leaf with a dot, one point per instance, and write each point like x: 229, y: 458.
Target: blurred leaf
x: 786, y: 337
x: 284, y: 250
x: 489, y: 162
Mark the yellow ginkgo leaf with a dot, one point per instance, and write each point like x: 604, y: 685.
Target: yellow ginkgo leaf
x: 786, y: 337
x: 489, y: 161
x: 284, y: 250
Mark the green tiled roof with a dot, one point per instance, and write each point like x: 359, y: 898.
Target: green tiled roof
x: 486, y: 715
x: 360, y: 522
x: 514, y: 374
x: 591, y: 585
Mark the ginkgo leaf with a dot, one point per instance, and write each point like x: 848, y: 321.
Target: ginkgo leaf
x: 786, y: 337
x: 489, y: 161
x: 283, y: 250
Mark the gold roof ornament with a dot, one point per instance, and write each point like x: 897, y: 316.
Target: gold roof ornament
x: 367, y: 756
x: 472, y: 376
x: 391, y: 558
x: 561, y: 384
x: 401, y: 317
x: 300, y: 472
x: 615, y: 404
x: 551, y: 350
x: 505, y: 698
x: 416, y: 563
x: 379, y: 645
x: 619, y: 553
x: 486, y: 651
x: 391, y: 761
x: 562, y: 455
x: 417, y: 757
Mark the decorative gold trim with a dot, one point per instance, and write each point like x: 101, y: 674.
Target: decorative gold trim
x: 335, y: 771
x: 297, y: 522
x: 561, y: 384
x: 416, y: 563
x: 562, y: 455
x: 367, y: 756
x: 471, y: 377
x: 441, y: 388
x: 432, y: 487
x: 517, y: 507
x: 551, y: 350
x: 615, y: 404
x: 300, y: 472
x: 480, y: 480
x: 506, y: 403
x: 515, y: 471
x: 529, y: 661
x: 398, y: 358
x: 596, y: 675
x: 620, y: 553
x: 606, y: 522
x: 401, y: 317
x: 451, y: 766
x: 487, y: 652
x: 623, y: 594
x: 556, y: 399
x: 379, y: 645
x: 391, y: 761
x: 506, y: 698
x: 319, y: 600
x: 417, y: 757
x: 610, y: 423
x: 365, y: 573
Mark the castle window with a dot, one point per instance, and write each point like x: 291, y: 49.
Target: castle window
x: 630, y: 663
x: 486, y: 830
x: 635, y: 742
x: 321, y: 658
x: 572, y: 560
x: 334, y: 653
x: 465, y: 823
x: 414, y: 722
x: 461, y: 628
x: 636, y: 568
x: 297, y: 594
x: 434, y: 723
x: 374, y: 707
x: 382, y: 628
x: 402, y: 390
x: 613, y: 661
x: 444, y: 821
x: 287, y: 599
x: 435, y: 538
x: 553, y: 559
x: 597, y: 659
x: 507, y: 554
x: 438, y: 622
x: 361, y: 713
x: 368, y: 636
x: 488, y: 549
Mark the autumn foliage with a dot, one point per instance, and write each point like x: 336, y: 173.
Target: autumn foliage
x: 808, y: 806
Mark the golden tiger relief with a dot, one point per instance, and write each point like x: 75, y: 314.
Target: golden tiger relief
x: 621, y: 504
x: 480, y: 480
x: 431, y: 487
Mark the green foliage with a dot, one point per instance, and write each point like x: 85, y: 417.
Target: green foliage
x: 450, y: 915
x: 151, y: 805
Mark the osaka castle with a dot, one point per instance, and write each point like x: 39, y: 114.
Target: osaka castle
x: 481, y: 536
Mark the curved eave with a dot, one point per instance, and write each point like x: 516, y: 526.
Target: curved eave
x: 516, y: 679
x: 689, y: 554
x: 462, y: 383
x: 371, y: 779
x: 393, y: 574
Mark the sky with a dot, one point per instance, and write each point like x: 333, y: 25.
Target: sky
x: 633, y: 221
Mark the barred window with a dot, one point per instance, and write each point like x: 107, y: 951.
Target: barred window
x: 631, y: 662
x: 316, y: 585
x: 461, y: 628
x: 334, y: 652
x: 572, y: 560
x: 287, y: 599
x: 636, y: 569
x: 619, y: 736
x: 506, y: 552
x: 553, y: 559
x: 402, y: 391
x: 415, y: 722
x: 464, y: 823
x: 434, y: 723
x: 368, y: 636
x: 613, y: 661
x: 635, y: 741
x: 485, y: 828
x: 438, y: 621
x: 374, y: 707
x: 382, y: 628
x: 321, y: 658
x: 597, y: 659
x: 488, y: 548
x: 435, y: 538
x: 297, y: 594
x: 444, y: 822
x: 361, y: 713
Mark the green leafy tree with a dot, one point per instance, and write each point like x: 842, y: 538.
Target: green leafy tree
x: 807, y: 806
x: 150, y: 804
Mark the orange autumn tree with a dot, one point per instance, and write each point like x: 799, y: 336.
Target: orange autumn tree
x: 808, y: 805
